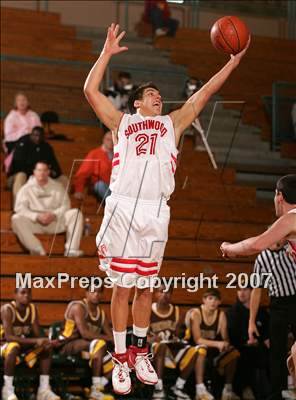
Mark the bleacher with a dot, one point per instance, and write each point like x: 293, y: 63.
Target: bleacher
x: 207, y: 206
x: 268, y: 60
x: 45, y: 60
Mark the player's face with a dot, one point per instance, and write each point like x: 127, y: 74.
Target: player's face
x: 163, y: 297
x: 278, y: 203
x: 151, y: 102
x: 244, y: 295
x: 95, y: 296
x: 211, y: 303
x: 23, y: 296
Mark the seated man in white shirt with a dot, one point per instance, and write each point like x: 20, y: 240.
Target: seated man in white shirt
x: 43, y: 206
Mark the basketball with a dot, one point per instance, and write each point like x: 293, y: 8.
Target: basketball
x: 229, y: 34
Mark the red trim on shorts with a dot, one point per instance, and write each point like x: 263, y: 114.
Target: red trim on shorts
x: 124, y: 260
x: 147, y: 264
x: 116, y: 155
x: 146, y: 273
x: 132, y: 270
x: 174, y: 158
x: 122, y: 269
x: 135, y: 261
x: 116, y: 162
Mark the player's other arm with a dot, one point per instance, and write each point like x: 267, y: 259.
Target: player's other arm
x: 254, y: 307
x: 101, y: 105
x: 79, y: 318
x: 184, y: 117
x: 276, y: 233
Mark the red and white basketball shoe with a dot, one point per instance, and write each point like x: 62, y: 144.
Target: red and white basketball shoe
x: 121, y: 380
x: 139, y: 360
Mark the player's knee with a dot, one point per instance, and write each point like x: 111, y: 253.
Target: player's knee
x: 13, y: 352
x: 162, y: 348
x: 121, y: 294
x: 143, y: 294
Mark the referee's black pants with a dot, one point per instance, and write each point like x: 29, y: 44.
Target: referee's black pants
x: 282, y: 313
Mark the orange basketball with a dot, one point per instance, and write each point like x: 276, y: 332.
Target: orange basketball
x: 229, y: 34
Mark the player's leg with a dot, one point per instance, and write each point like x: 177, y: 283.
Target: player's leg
x: 159, y: 353
x: 44, y: 389
x: 99, y: 364
x: 187, y: 364
x: 200, y: 367
x: 119, y: 313
x: 138, y: 351
x: 227, y: 362
x: 10, y: 353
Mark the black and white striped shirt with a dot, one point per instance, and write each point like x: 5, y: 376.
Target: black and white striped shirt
x: 277, y: 271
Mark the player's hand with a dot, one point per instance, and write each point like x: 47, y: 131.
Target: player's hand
x: 42, y: 342
x: 222, y: 345
x: 253, y: 333
x: 226, y: 250
x: 111, y: 45
x: 78, y: 195
x: 236, y: 58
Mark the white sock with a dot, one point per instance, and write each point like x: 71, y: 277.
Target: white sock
x: 180, y: 383
x: 99, y: 380
x: 44, y: 382
x: 228, y: 387
x: 159, y: 385
x: 120, y: 342
x: 140, y: 332
x: 200, y: 388
x: 8, y: 383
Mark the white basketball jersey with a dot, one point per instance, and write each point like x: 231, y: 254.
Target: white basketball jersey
x: 145, y: 158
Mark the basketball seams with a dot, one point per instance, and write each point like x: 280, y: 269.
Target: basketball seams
x: 237, y: 35
x: 225, y: 41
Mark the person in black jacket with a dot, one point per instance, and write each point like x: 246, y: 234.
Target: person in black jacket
x: 252, y: 369
x: 29, y: 150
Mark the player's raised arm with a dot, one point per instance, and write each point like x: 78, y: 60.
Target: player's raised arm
x: 276, y: 233
x: 184, y: 117
x: 103, y: 108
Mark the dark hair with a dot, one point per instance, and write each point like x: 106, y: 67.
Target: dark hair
x: 123, y: 74
x: 17, y: 289
x: 40, y: 129
x: 42, y: 162
x: 89, y: 287
x: 138, y: 94
x: 212, y: 292
x: 287, y: 186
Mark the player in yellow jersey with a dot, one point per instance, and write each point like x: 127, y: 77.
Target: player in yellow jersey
x: 20, y: 333
x: 87, y: 326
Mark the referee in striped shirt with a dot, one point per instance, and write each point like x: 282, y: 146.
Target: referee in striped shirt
x: 277, y: 271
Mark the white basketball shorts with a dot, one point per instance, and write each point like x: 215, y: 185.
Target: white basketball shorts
x: 132, y: 239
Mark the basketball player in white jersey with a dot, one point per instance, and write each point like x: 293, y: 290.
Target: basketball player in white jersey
x: 134, y: 231
x: 284, y: 228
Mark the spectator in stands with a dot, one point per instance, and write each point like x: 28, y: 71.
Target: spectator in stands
x: 254, y: 357
x: 120, y: 91
x: 28, y: 151
x: 21, y: 334
x: 167, y: 348
x: 157, y: 13
x: 96, y: 167
x: 43, y: 206
x: 192, y: 85
x: 85, y: 323
x: 207, y: 327
x: 19, y: 122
